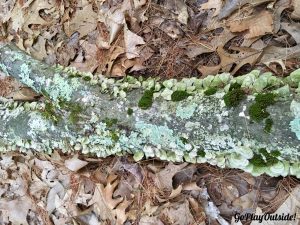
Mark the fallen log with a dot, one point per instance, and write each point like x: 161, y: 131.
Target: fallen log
x: 250, y: 122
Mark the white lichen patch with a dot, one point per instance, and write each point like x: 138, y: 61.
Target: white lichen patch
x: 295, y: 123
x: 186, y: 112
x: 60, y: 88
x: 37, y: 124
x: 25, y: 72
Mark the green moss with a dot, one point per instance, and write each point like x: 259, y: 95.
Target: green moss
x: 86, y: 78
x: 201, y: 153
x: 129, y: 111
x: 73, y: 75
x: 210, y: 91
x: 264, y: 159
x: 74, y: 108
x: 275, y: 153
x: 184, y: 140
x: 257, y: 112
x: 268, y: 125
x: 257, y: 161
x: 234, y: 86
x: 234, y: 96
x: 179, y: 96
x: 147, y: 99
x: 265, y: 99
x: 50, y: 113
x: 75, y: 111
x: 114, y: 136
x: 110, y: 122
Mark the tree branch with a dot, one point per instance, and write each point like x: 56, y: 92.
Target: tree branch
x: 172, y: 120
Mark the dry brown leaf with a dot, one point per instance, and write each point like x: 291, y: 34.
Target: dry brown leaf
x: 147, y: 220
x: 232, y: 5
x: 179, y: 9
x: 279, y: 7
x: 87, y: 60
x: 178, y: 213
x: 191, y: 187
x: 132, y: 40
x: 107, y: 206
x: 34, y: 17
x: 163, y: 179
x: 291, y: 206
x: 245, y: 56
x: 247, y: 201
x: 197, y: 211
x: 16, y: 210
x: 293, y: 30
x: 213, y: 4
x: 38, y: 50
x: 296, y: 13
x: 274, y: 54
x: 74, y: 164
x: 83, y: 21
x: 256, y: 25
x: 114, y: 53
x: 23, y: 94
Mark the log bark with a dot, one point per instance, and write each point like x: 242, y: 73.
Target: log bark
x: 91, y: 114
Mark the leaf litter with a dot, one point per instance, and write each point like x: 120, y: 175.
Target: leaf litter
x: 59, y: 189
x: 158, y: 38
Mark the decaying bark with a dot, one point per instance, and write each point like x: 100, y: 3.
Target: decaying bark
x: 101, y: 116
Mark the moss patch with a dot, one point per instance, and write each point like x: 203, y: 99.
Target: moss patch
x: 110, y: 121
x: 114, y: 136
x: 258, y: 110
x: 50, y: 113
x: 147, y: 99
x: 264, y: 159
x: 86, y: 78
x: 234, y: 96
x: 179, y: 96
x: 129, y: 111
x: 184, y: 140
x: 268, y: 125
x: 201, y: 153
x: 211, y: 91
x: 74, y: 108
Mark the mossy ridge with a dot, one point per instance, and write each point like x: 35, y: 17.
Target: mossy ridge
x: 146, y: 100
x: 268, y: 125
x: 210, y: 91
x: 234, y: 96
x: 129, y: 111
x: 258, y: 110
x: 265, y: 159
x: 201, y: 153
x: 110, y: 122
x: 184, y: 140
x: 51, y: 113
x: 179, y: 96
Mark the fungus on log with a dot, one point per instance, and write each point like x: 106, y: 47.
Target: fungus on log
x: 251, y: 122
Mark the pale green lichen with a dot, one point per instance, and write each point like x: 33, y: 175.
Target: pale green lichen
x: 25, y: 76
x: 295, y: 127
x: 61, y: 88
x: 3, y: 68
x: 186, y: 112
x: 37, y: 123
x: 295, y: 123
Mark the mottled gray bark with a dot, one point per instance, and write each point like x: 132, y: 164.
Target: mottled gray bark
x: 198, y: 129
